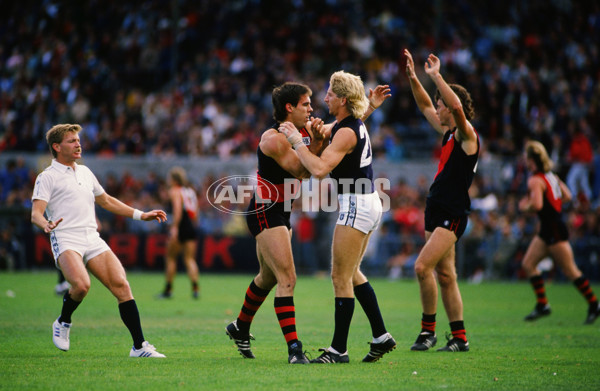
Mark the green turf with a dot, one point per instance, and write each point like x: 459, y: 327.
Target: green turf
x: 555, y: 353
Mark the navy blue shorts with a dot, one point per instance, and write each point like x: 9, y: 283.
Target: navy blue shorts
x: 437, y: 217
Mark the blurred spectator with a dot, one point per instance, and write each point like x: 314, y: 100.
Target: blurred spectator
x: 580, y: 156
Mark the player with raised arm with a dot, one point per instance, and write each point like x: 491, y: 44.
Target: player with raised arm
x: 448, y: 203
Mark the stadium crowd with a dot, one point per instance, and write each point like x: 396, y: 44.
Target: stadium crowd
x: 192, y: 78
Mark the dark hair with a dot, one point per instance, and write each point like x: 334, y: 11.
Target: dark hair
x: 464, y: 97
x: 288, y: 92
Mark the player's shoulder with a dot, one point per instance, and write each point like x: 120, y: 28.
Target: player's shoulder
x: 47, y: 172
x: 536, y: 180
x: 272, y: 141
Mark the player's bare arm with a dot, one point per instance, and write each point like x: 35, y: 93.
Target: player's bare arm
x: 466, y: 134
x: 320, y: 166
x: 116, y: 206
x: 176, y: 202
x: 534, y: 201
x: 421, y: 96
x: 274, y: 144
x: 37, y: 216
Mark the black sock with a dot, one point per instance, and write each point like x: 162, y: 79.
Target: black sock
x: 428, y: 323
x: 69, y: 306
x: 344, y: 309
x: 194, y: 286
x: 365, y: 295
x: 168, y: 287
x: 131, y: 317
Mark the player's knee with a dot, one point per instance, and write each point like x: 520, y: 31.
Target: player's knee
x: 421, y: 270
x: 341, y: 282
x: 79, y: 288
x: 120, y: 288
x: 528, y: 267
x: 446, y: 278
x: 287, y: 279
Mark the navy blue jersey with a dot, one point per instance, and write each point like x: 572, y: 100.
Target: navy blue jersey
x: 355, y: 167
x: 450, y: 188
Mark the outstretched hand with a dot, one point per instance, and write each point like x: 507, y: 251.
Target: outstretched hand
x: 378, y: 95
x: 158, y: 215
x: 432, y: 66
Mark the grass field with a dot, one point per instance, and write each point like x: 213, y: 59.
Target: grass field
x: 555, y: 353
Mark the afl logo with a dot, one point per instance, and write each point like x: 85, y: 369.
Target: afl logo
x: 232, y: 193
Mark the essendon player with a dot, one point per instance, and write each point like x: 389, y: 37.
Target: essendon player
x: 546, y: 193
x: 183, y: 238
x: 348, y: 160
x: 448, y: 202
x: 270, y: 223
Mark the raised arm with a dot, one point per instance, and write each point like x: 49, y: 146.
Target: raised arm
x: 376, y: 98
x: 421, y: 96
x: 466, y: 133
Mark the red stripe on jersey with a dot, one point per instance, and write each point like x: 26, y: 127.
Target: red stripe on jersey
x: 552, y: 194
x: 446, y: 152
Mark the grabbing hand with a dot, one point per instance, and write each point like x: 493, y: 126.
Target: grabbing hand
x: 317, y: 127
x: 292, y: 134
x: 378, y: 95
x: 432, y: 66
x: 159, y: 215
x: 50, y: 225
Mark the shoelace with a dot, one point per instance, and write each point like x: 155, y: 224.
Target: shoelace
x: 149, y: 347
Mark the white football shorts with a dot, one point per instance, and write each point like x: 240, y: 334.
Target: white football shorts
x: 360, y: 211
x: 85, y: 242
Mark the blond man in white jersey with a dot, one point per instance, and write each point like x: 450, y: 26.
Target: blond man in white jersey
x: 66, y: 193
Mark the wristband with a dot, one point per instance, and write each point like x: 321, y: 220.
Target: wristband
x: 298, y: 144
x: 373, y: 107
x: 137, y: 214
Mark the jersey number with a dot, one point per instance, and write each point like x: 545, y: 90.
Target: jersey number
x: 366, y: 157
